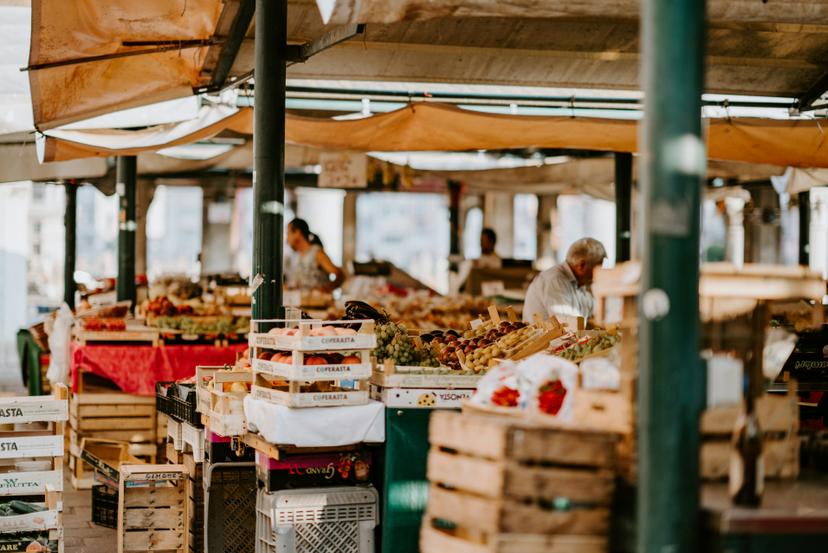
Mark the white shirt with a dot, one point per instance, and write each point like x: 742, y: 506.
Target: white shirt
x: 488, y: 261
x: 556, y: 292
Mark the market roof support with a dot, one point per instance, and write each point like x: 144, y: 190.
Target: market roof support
x: 455, y: 190
x: 69, y: 218
x: 126, y: 173
x: 672, y: 383
x: 269, y: 157
x: 623, y: 205
x: 804, y: 202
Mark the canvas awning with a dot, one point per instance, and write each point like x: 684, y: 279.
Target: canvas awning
x: 83, y: 60
x: 437, y: 127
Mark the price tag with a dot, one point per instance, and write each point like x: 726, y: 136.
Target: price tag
x: 342, y: 170
x: 491, y: 288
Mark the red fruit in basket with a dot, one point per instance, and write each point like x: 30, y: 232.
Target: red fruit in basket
x: 315, y: 360
x: 505, y: 397
x: 551, y: 397
x: 265, y: 355
x: 351, y: 360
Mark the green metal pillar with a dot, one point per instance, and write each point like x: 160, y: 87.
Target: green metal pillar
x: 804, y: 202
x: 269, y: 157
x: 126, y: 176
x: 671, y: 380
x: 69, y: 226
x: 623, y: 211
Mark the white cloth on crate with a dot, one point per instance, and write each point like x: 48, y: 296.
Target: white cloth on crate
x: 316, y: 426
x: 556, y: 292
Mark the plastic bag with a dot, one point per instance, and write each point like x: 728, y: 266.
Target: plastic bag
x: 779, y: 344
x: 58, y: 372
x: 540, y: 383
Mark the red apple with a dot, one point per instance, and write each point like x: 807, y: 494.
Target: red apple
x: 351, y: 360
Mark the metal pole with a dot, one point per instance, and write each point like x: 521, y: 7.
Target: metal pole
x: 623, y: 205
x: 671, y: 381
x: 269, y: 157
x: 455, y: 191
x: 125, y: 182
x: 69, y: 219
x: 804, y: 202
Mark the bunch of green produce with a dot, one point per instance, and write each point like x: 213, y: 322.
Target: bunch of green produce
x: 16, y: 507
x: 393, y: 342
x: 587, y: 346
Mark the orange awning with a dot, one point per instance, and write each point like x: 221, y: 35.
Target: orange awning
x: 438, y: 127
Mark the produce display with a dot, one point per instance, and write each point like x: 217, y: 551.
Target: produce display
x: 481, y: 348
x: 192, y: 317
x: 424, y: 312
x: 203, y: 325
x: 286, y: 357
x: 575, y: 348
x: 17, y: 507
x: 110, y: 324
x: 393, y: 342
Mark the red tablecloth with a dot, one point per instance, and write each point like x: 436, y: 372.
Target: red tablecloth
x: 136, y: 369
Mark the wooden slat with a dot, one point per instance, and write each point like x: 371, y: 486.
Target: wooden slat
x: 433, y: 540
x: 115, y: 410
x: 133, y: 436
x: 781, y: 459
x: 777, y: 413
x: 119, y: 398
x: 148, y: 497
x: 496, y: 516
x: 519, y: 440
x: 124, y: 423
x: 155, y: 518
x: 164, y: 540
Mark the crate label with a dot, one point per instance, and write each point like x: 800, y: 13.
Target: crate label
x: 320, y: 372
x: 154, y: 476
x: 33, y: 409
x: 22, y: 483
x: 31, y: 446
x: 422, y: 398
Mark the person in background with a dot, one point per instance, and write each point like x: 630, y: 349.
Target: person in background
x: 310, y: 268
x: 488, y: 258
x: 564, y: 290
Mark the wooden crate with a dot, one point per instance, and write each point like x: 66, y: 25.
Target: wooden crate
x: 31, y: 458
x: 321, y: 394
x: 195, y: 504
x: 779, y: 421
x: 152, y: 508
x: 494, y: 481
x: 133, y: 418
x: 226, y: 411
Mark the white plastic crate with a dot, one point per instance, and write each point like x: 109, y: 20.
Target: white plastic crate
x: 317, y: 520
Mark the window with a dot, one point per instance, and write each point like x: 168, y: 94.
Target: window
x: 410, y: 230
x: 174, y: 231
x: 471, y: 233
x: 525, y: 226
x: 581, y: 216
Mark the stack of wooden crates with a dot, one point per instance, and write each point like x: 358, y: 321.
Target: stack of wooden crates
x: 503, y: 484
x: 194, y: 492
x: 724, y: 291
x: 31, y: 460
x: 98, y: 410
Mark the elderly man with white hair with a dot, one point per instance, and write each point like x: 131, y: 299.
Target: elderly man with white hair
x: 564, y: 290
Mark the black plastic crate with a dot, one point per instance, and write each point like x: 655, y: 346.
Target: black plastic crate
x: 105, y: 506
x: 163, y: 403
x: 178, y: 401
x: 184, y: 404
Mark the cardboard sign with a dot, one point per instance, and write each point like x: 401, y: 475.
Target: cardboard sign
x: 342, y: 170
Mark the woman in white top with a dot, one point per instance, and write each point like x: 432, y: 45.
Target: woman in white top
x: 310, y: 268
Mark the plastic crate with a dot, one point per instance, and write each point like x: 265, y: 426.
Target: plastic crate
x: 163, y: 403
x: 178, y: 401
x: 230, y: 507
x: 105, y: 506
x: 321, y: 520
